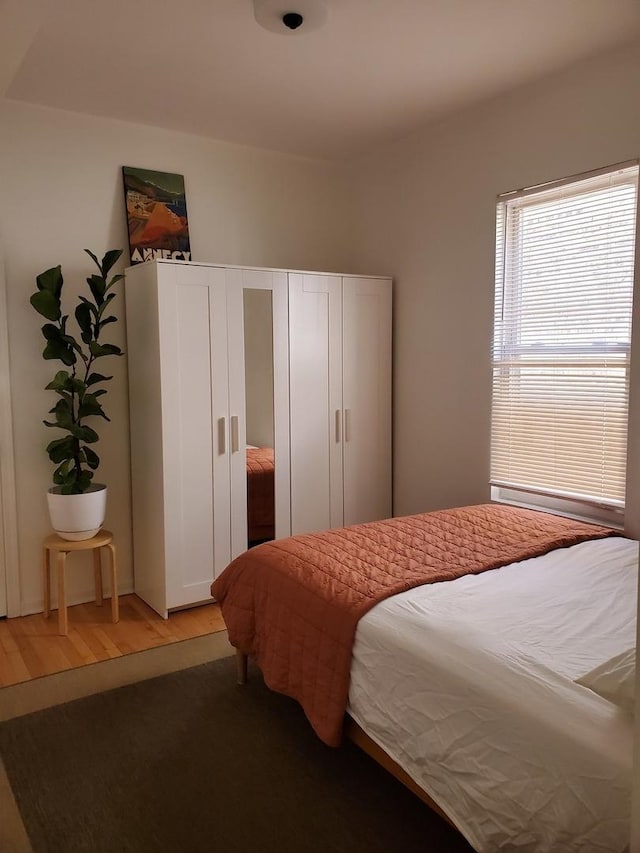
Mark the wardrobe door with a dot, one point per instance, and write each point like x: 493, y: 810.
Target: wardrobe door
x: 196, y: 441
x: 257, y: 311
x: 315, y: 332
x: 366, y: 375
x: 237, y: 412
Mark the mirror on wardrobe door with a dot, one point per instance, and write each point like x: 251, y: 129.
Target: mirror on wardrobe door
x: 259, y: 393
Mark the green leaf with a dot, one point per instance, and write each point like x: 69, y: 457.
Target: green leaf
x: 61, y: 474
x: 64, y: 414
x: 104, y: 322
x: 59, y: 350
x: 108, y: 298
x: 84, y: 480
x: 97, y: 350
x: 97, y: 285
x: 100, y: 392
x: 51, y: 332
x: 77, y: 485
x: 89, y: 305
x: 46, y: 304
x: 61, y: 449
x: 63, y: 382
x: 57, y: 345
x: 69, y: 480
x: 114, y: 280
x: 51, y: 280
x: 109, y: 260
x: 92, y: 458
x: 90, y: 406
x: 94, y: 258
x: 85, y: 321
x: 60, y: 382
x: 97, y: 377
x: 84, y: 433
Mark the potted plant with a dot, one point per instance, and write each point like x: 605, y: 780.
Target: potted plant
x: 76, y: 504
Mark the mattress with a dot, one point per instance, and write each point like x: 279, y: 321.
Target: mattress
x: 469, y: 685
x: 295, y: 603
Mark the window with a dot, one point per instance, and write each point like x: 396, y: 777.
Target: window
x: 564, y: 288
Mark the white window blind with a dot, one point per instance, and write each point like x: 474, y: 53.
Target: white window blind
x: 564, y: 288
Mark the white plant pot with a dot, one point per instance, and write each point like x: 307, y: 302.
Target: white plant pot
x: 77, y: 517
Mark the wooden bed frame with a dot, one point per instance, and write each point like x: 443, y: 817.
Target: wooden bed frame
x: 361, y: 739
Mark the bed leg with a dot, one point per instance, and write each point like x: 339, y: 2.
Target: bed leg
x: 241, y: 667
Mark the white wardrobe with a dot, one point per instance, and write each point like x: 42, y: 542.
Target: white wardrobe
x: 220, y: 357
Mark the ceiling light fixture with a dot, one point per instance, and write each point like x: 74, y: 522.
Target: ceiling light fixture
x: 290, y: 17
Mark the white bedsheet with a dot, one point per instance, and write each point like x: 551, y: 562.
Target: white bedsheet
x: 469, y: 686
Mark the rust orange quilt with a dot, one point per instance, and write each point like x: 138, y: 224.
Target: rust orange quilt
x: 294, y: 604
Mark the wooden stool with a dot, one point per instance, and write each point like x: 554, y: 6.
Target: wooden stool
x: 103, y: 539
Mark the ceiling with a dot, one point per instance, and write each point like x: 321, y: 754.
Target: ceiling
x: 376, y: 70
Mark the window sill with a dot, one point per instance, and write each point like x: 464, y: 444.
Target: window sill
x: 591, y: 514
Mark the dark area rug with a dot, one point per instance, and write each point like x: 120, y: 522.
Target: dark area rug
x: 191, y: 762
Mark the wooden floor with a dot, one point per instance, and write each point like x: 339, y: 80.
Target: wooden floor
x: 30, y: 646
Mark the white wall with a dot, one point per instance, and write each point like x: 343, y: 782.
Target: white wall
x: 425, y: 212
x: 61, y: 192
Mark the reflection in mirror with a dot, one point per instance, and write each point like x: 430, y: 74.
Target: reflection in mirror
x: 258, y: 361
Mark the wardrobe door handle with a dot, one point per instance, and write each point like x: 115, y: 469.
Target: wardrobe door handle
x: 235, y: 443
x: 222, y: 436
x: 347, y: 424
x: 338, y: 413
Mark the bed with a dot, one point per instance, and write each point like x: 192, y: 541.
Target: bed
x: 477, y: 683
x: 260, y: 494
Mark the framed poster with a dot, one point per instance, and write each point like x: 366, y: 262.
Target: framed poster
x: 156, y: 215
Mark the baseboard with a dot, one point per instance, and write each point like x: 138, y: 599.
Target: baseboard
x: 30, y: 607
